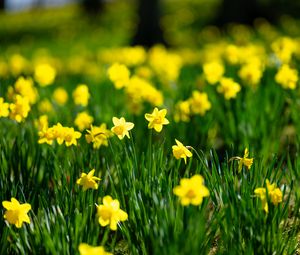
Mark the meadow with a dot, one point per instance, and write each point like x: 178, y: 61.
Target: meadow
x: 107, y: 148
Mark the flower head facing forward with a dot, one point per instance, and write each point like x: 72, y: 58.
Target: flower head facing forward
x: 157, y: 119
x: 109, y: 213
x: 191, y: 191
x: 16, y: 213
x: 180, y: 151
x: 88, y: 181
x: 85, y: 249
x: 121, y: 127
x: 44, y: 74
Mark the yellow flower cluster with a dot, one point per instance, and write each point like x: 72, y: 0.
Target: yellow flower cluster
x: 228, y: 88
x: 98, y: 136
x: 165, y: 64
x: 271, y: 192
x: 140, y: 90
x: 25, y: 88
x: 198, y: 103
x: 19, y: 109
x: 287, y: 77
x: 60, y: 134
x: 119, y: 75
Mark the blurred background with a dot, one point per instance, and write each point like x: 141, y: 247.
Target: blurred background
x: 63, y: 23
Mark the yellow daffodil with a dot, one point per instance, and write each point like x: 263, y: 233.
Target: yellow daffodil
x: 157, y: 119
x: 83, y: 120
x: 60, y: 96
x: 182, y: 111
x: 70, y: 136
x: 271, y: 192
x: 199, y: 103
x: 81, y: 95
x: 45, y: 106
x: 109, y: 213
x: 44, y: 74
x: 121, y: 127
x: 180, y: 151
x: 42, y: 122
x: 16, y: 213
x: 98, y: 136
x: 191, y: 191
x: 229, y: 88
x: 25, y: 88
x: 4, y: 112
x: 85, y: 249
x: 88, y: 181
x: 119, y: 75
x: 213, y: 71
x: 244, y: 161
x: 19, y: 109
x: 287, y: 77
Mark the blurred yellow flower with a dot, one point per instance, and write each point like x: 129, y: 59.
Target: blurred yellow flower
x: 251, y: 74
x: 44, y: 74
x: 16, y: 213
x: 121, y: 127
x: 182, y: 111
x: 42, y: 122
x: 119, y: 75
x: 213, y: 71
x: 157, y: 119
x: 88, y: 181
x: 4, y: 112
x: 180, y: 151
x: 83, y: 120
x: 287, y: 77
x: 98, y: 136
x: 284, y: 47
x: 85, y: 249
x: 81, y: 95
x: 191, y: 191
x: 109, y: 213
x: 229, y: 88
x: 272, y: 192
x: 60, y: 96
x: 25, y: 88
x: 19, y: 109
x: 45, y: 106
x: 18, y: 64
x: 199, y: 103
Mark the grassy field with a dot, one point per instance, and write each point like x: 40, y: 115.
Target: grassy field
x: 205, y: 161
